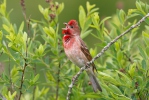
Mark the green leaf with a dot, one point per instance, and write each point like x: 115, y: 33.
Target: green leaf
x: 3, y: 8
x: 36, y: 78
x: 119, y: 56
x: 40, y: 8
x: 115, y: 89
x: 142, y: 52
x: 49, y: 31
x: 95, y: 20
x: 146, y: 37
x: 103, y: 20
x: 40, y: 49
x: 1, y: 35
x: 60, y: 8
x: 109, y: 78
x: 14, y: 72
x: 144, y: 64
x: 5, y: 21
x: 121, y: 15
x: 87, y: 24
x: 125, y: 78
x: 89, y: 7
x: 117, y: 46
x: 138, y: 5
x: 132, y: 70
x: 82, y: 16
x: 83, y: 35
x: 21, y: 27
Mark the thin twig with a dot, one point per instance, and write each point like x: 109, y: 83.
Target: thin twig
x: 11, y: 84
x: 58, y: 74
x: 58, y: 81
x: 35, y: 85
x: 22, y: 78
x: 22, y: 2
x: 101, y: 53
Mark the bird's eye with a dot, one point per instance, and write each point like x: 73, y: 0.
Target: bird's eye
x: 71, y: 26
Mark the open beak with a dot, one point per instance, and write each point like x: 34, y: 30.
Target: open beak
x: 64, y: 30
x: 65, y: 24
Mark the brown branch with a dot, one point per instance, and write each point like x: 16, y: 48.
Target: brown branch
x: 58, y: 81
x: 9, y: 71
x: 101, y: 53
x: 35, y: 85
x: 22, y: 3
x: 22, y: 78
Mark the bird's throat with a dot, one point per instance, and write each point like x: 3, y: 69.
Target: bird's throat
x: 67, y: 38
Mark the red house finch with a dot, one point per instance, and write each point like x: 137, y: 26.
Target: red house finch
x: 77, y: 52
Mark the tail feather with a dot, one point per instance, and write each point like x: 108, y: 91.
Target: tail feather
x: 94, y: 82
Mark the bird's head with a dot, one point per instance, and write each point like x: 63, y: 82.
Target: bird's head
x: 71, y: 28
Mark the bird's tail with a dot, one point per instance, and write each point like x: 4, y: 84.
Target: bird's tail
x: 94, y: 81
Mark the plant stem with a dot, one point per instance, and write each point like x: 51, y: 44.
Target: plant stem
x: 58, y: 81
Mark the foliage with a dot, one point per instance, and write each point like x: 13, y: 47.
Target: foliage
x: 39, y: 70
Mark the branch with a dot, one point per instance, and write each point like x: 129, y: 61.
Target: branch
x: 22, y: 3
x: 58, y: 81
x: 101, y: 53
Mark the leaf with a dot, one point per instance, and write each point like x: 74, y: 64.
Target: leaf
x: 87, y: 24
x: 60, y: 8
x: 89, y: 7
x: 144, y: 64
x: 36, y: 78
x: 125, y: 78
x: 109, y: 78
x: 6, y: 28
x: 117, y: 46
x: 5, y: 21
x: 40, y: 8
x: 132, y: 70
x: 120, y: 97
x: 14, y: 72
x: 115, y: 89
x: 95, y: 20
x: 103, y: 20
x: 83, y: 35
x: 40, y: 49
x: 1, y: 35
x: 146, y: 37
x: 142, y: 52
x: 21, y: 27
x: 138, y: 5
x: 82, y: 16
x: 119, y: 56
x: 121, y: 15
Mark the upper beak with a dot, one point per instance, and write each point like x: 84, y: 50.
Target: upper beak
x: 65, y: 24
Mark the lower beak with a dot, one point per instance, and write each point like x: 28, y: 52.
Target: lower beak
x: 64, y: 30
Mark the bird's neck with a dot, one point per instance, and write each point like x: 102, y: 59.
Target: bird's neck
x: 68, y: 41
x: 67, y: 38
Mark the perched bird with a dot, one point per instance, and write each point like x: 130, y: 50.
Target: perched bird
x: 77, y: 52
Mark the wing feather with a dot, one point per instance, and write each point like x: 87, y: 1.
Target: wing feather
x: 86, y: 52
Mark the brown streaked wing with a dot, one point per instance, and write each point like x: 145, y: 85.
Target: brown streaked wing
x: 86, y: 52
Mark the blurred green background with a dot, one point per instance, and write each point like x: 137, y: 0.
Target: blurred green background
x: 71, y: 11
x: 106, y: 8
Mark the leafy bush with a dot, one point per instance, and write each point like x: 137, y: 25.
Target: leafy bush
x: 39, y: 70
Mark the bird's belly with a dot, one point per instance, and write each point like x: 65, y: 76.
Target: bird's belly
x: 76, y: 56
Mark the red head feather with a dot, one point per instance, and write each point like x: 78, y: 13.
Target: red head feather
x: 72, y: 22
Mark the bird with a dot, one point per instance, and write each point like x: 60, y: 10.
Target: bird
x: 77, y: 51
